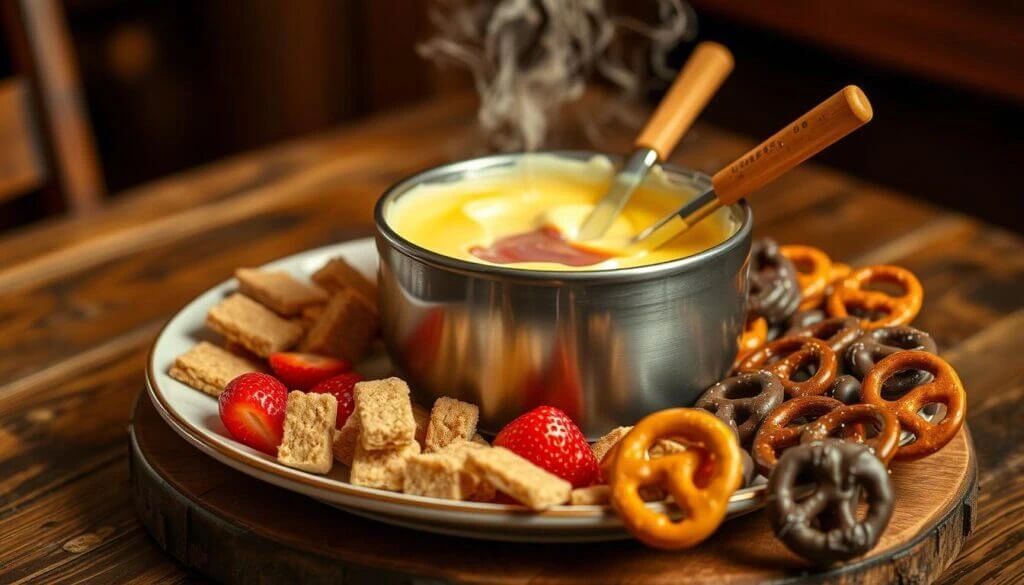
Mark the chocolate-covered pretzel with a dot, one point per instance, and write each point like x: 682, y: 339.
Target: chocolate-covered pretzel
x: 787, y: 356
x: 845, y: 389
x: 774, y: 288
x: 822, y: 527
x: 743, y: 402
x: 879, y: 343
x: 802, y: 319
x: 838, y: 332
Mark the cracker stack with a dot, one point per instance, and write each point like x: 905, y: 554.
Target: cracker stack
x: 386, y: 433
x: 273, y: 311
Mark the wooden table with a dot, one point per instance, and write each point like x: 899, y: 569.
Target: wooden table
x: 81, y: 300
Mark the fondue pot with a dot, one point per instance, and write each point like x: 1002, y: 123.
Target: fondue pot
x: 605, y: 346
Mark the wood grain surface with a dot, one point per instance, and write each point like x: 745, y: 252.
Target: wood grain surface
x: 241, y: 530
x: 81, y: 299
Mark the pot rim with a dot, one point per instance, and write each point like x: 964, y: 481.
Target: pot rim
x: 495, y: 272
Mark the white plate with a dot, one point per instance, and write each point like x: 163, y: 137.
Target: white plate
x: 194, y: 416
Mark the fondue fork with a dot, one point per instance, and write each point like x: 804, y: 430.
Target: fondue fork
x: 702, y: 75
x: 829, y: 121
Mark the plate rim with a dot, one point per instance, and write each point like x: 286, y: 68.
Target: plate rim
x: 311, y: 481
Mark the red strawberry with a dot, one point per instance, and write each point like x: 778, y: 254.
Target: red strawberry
x: 341, y: 386
x: 252, y: 408
x: 302, y: 371
x: 549, y: 439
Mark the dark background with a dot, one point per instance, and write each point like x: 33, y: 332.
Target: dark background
x: 172, y: 85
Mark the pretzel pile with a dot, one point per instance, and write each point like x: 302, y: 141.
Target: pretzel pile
x: 830, y: 383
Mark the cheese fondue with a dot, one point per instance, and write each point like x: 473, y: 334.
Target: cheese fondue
x: 526, y: 216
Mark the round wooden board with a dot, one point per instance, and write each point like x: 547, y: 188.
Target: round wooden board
x: 237, y: 529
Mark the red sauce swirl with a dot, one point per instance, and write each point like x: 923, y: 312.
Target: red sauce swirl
x: 545, y: 244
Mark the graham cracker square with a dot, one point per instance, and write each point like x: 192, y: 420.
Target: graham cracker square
x: 279, y: 291
x: 344, y: 329
x: 450, y: 419
x: 338, y: 275
x: 383, y: 468
x: 605, y: 443
x: 308, y: 431
x: 385, y: 414
x: 536, y: 488
x: 209, y: 368
x: 256, y: 328
x: 345, y: 440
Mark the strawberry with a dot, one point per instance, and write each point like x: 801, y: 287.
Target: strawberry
x: 302, y: 371
x: 549, y: 439
x: 252, y: 408
x: 341, y: 386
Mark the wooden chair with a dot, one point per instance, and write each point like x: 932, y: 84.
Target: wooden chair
x: 46, y: 141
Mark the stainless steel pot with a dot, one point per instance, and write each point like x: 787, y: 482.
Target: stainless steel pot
x: 606, y: 346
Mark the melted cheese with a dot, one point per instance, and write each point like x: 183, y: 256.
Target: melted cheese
x: 450, y: 218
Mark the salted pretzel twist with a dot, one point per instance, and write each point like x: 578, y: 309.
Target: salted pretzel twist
x: 755, y: 333
x: 840, y: 421
x: 814, y: 268
x: 786, y: 356
x: 852, y: 294
x: 781, y: 430
x: 838, y: 272
x: 945, y: 388
x: 701, y: 479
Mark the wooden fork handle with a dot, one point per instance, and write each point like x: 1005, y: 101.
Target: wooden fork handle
x: 704, y: 72
x: 811, y: 133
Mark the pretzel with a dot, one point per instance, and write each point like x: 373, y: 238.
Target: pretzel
x: 838, y: 272
x: 755, y: 333
x: 701, y: 480
x: 776, y: 434
x: 851, y: 294
x: 774, y: 289
x: 838, y: 332
x: 813, y: 268
x: 945, y: 389
x: 845, y: 389
x: 883, y: 444
x: 792, y: 354
x: 823, y: 526
x: 743, y: 401
x: 876, y: 344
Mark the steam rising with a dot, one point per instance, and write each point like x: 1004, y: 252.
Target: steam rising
x: 529, y: 58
